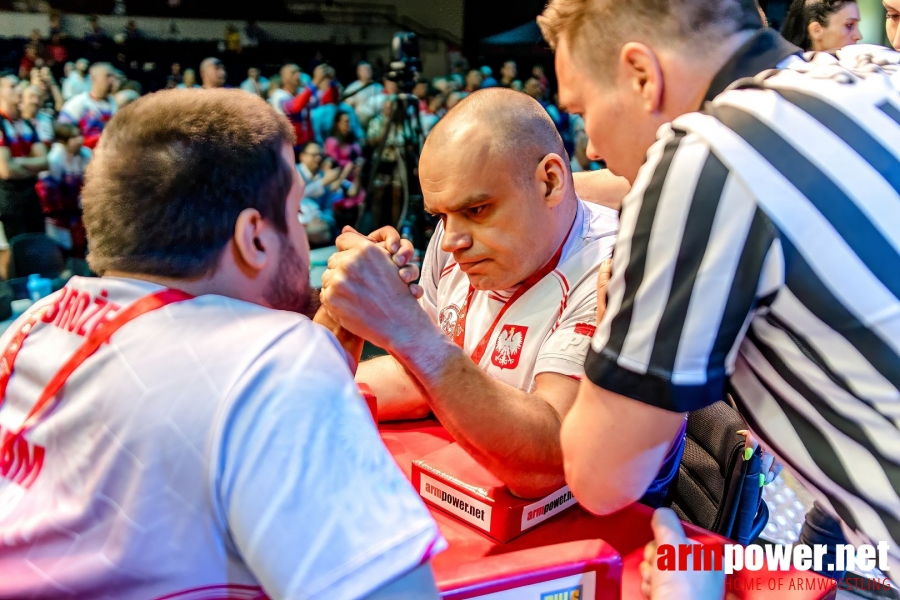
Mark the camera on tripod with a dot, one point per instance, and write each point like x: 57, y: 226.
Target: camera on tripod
x: 406, y: 61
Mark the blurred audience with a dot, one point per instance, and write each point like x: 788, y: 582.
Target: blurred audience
x: 22, y: 157
x: 335, y: 127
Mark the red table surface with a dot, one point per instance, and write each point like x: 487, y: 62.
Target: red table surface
x: 628, y: 530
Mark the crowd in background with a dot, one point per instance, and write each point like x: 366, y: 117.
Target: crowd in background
x: 53, y: 110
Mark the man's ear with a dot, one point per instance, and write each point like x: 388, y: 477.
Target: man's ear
x: 553, y: 175
x: 255, y: 241
x: 640, y: 66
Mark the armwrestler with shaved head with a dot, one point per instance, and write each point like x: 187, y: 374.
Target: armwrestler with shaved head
x: 495, y: 345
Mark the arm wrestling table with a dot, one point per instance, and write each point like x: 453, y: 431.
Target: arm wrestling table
x: 464, y: 570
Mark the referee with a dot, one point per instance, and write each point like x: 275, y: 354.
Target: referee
x: 759, y: 248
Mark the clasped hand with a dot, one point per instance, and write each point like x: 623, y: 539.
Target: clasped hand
x: 367, y: 288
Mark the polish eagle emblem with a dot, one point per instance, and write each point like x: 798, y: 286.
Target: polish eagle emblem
x: 448, y: 320
x: 509, y: 346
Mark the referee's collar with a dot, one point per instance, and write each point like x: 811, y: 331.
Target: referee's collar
x: 762, y: 51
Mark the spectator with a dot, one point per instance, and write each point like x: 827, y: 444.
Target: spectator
x: 77, y: 82
x: 57, y: 53
x: 60, y: 189
x: 119, y: 8
x: 537, y: 71
x: 433, y: 110
x: 189, y: 81
x: 52, y: 98
x: 508, y: 76
x: 255, y: 83
x: 420, y: 91
x: 274, y: 85
x: 374, y: 105
x: 95, y: 38
x: 232, y: 40
x: 488, y: 77
x: 327, y: 86
x: 318, y: 197
x: 22, y: 157
x: 55, y: 25
x: 68, y: 68
x: 343, y: 147
x: 28, y: 62
x: 361, y: 91
x: 125, y: 97
x: 212, y: 73
x: 38, y: 44
x: 253, y: 35
x: 174, y: 77
x: 822, y: 25
x: 92, y: 110
x: 295, y: 104
x: 454, y: 98
x: 30, y: 109
x: 119, y: 78
x: 131, y: 32
x: 535, y: 89
x: 474, y: 81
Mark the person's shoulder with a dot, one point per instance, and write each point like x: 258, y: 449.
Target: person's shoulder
x: 56, y: 153
x: 600, y: 221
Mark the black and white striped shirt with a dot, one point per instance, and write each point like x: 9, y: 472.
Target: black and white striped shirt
x: 759, y: 250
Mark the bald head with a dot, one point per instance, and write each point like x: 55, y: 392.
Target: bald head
x: 496, y: 172
x: 512, y: 127
x: 212, y: 73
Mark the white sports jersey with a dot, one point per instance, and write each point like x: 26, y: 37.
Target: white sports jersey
x: 211, y: 449
x: 278, y: 98
x: 90, y: 114
x: 549, y: 328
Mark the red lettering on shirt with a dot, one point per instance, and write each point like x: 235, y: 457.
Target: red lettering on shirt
x: 20, y: 460
x: 80, y: 313
x: 585, y: 329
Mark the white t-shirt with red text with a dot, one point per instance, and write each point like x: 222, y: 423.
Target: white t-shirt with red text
x: 549, y: 328
x: 210, y: 449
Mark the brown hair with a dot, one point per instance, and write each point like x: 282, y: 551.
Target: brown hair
x: 65, y: 132
x: 171, y: 174
x: 597, y: 29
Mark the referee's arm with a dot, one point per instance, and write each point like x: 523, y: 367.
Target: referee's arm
x: 686, y: 276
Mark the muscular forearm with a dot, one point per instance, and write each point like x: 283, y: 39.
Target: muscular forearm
x: 512, y: 433
x: 399, y: 395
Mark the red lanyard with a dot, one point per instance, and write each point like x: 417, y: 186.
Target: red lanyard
x: 48, y: 399
x: 481, y: 348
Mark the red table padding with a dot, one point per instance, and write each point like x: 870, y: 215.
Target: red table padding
x: 500, y: 572
x: 626, y: 531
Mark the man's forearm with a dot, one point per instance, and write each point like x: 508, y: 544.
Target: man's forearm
x: 399, y: 395
x: 513, y: 433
